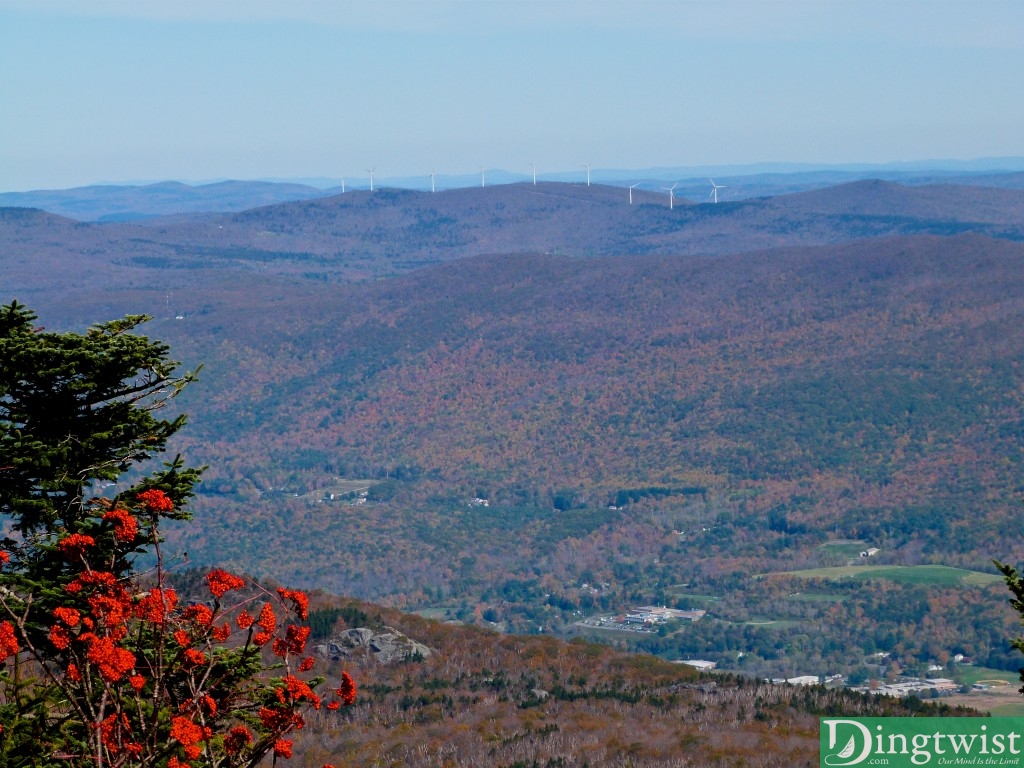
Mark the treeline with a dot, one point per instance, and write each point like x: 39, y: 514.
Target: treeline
x: 483, y: 698
x: 865, y: 391
x: 846, y: 399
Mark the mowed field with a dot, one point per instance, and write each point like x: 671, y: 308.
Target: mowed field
x: 1000, y: 699
x: 933, y: 575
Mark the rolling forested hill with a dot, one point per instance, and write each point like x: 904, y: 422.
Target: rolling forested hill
x: 112, y: 202
x: 661, y: 403
x: 361, y: 235
x: 483, y: 698
x: 498, y: 373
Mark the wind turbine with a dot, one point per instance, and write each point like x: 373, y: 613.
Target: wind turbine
x: 631, y: 192
x: 587, y: 166
x: 343, y: 186
x: 714, y: 189
x: 370, y: 171
x: 534, y: 166
x: 432, y: 189
x: 483, y: 177
x: 671, y: 195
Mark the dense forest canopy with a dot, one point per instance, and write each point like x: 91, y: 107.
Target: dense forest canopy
x: 641, y: 397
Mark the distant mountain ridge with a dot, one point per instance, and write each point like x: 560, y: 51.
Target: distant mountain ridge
x: 129, y: 202
x: 361, y: 235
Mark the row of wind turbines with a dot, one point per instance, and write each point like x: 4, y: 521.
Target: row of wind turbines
x: 483, y: 183
x: 672, y: 192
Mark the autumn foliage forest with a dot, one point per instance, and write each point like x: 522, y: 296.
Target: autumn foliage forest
x: 701, y: 407
x: 485, y: 698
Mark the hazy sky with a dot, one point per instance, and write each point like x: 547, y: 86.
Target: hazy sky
x: 132, y: 90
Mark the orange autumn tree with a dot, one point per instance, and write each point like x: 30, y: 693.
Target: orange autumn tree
x: 102, y: 664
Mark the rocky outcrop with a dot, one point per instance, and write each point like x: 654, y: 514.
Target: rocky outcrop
x: 386, y: 647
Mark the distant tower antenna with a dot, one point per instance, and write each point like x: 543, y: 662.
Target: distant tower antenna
x: 631, y: 192
x: 534, y: 166
x: 483, y: 177
x: 671, y: 195
x: 714, y: 189
x: 370, y: 171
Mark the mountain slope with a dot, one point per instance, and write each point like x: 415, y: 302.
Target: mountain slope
x: 126, y: 203
x: 637, y: 420
x: 872, y: 389
x: 482, y: 698
x: 450, y: 348
x: 363, y: 235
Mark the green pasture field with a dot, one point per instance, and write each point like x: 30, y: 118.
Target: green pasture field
x: 931, y: 575
x: 772, y: 623
x: 698, y: 598
x: 969, y: 675
x: 848, y: 548
x: 815, y: 597
x: 1002, y: 699
x: 763, y: 621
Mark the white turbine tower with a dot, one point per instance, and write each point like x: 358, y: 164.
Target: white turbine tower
x: 534, y: 166
x: 714, y: 189
x: 483, y: 177
x: 343, y: 186
x: 432, y: 189
x: 370, y: 171
x: 631, y: 192
x: 671, y: 195
x: 587, y: 166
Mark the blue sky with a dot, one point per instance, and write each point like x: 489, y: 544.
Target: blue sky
x: 133, y: 90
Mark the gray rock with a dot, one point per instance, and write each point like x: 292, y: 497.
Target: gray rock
x: 386, y: 647
x: 355, y: 638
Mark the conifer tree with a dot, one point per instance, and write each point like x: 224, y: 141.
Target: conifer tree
x: 101, y: 665
x: 1015, y: 583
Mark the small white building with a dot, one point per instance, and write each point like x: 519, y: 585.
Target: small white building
x: 650, y: 614
x: 701, y: 664
x: 804, y: 680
